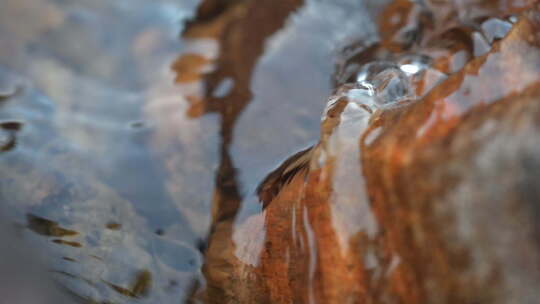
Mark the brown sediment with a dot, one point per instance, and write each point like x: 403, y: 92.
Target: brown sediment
x: 67, y: 243
x: 140, y: 286
x: 113, y: 226
x: 142, y: 283
x: 47, y: 227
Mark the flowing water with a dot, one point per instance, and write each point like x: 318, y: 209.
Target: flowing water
x: 137, y: 136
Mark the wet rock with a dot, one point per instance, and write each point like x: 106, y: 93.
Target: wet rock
x: 429, y: 202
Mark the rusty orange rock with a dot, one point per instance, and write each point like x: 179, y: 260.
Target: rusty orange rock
x: 434, y: 201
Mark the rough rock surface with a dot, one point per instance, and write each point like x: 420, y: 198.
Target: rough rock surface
x: 430, y: 202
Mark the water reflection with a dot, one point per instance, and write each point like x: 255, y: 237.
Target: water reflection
x: 91, y: 190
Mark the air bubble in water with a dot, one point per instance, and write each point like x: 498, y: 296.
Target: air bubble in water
x: 392, y: 86
x: 389, y: 82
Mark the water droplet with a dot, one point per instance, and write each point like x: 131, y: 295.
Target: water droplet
x: 495, y: 29
x: 387, y: 80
